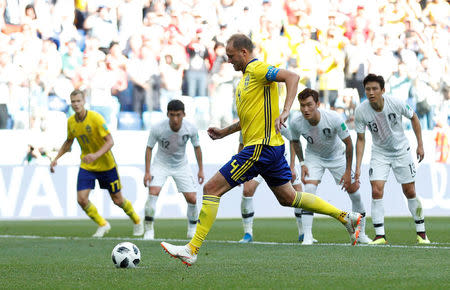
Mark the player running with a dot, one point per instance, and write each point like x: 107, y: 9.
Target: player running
x: 382, y: 115
x: 325, y: 131
x: 97, y: 162
x: 170, y: 160
x: 260, y: 122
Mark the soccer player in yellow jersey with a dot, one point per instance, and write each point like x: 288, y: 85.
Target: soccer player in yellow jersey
x: 260, y: 122
x: 97, y: 162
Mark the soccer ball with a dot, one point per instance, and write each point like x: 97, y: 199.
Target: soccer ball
x: 126, y: 255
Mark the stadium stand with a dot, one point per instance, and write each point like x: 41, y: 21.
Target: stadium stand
x: 140, y: 52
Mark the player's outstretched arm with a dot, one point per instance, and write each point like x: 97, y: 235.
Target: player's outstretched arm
x: 199, y: 157
x: 64, y: 148
x: 418, y: 132
x: 360, y: 144
x: 291, y: 80
x: 217, y: 133
x: 91, y: 157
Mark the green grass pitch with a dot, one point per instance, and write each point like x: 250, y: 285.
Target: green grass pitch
x: 61, y: 254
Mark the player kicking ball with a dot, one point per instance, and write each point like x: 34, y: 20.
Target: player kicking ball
x: 382, y: 115
x: 260, y: 122
x: 325, y: 133
x: 170, y: 160
x: 97, y: 163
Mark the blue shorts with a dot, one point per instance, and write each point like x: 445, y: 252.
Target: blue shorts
x: 269, y: 161
x: 107, y: 179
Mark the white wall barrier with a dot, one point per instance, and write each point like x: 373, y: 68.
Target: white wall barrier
x: 32, y: 192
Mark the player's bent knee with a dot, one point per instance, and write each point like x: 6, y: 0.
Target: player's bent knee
x: 284, y: 202
x: 409, y: 192
x: 117, y: 198
x: 118, y: 202
x: 248, y: 193
x: 190, y: 197
x: 216, y: 186
x: 154, y: 190
x: 377, y: 194
x: 210, y: 188
x: 83, y: 202
x: 285, y: 194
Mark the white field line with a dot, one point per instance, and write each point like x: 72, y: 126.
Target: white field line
x: 440, y: 246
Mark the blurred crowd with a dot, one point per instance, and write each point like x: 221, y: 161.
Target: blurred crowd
x: 133, y: 56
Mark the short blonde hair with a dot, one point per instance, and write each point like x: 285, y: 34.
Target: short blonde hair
x: 78, y: 92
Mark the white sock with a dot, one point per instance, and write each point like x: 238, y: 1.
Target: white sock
x: 307, y: 216
x: 149, y: 210
x: 358, y: 206
x: 415, y: 207
x: 378, y: 216
x: 247, y: 214
x: 192, y: 214
x: 307, y: 221
x: 298, y: 218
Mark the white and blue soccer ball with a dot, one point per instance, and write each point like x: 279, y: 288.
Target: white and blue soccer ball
x: 126, y: 255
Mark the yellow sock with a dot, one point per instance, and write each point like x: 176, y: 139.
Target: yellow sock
x: 314, y: 203
x: 129, y: 210
x: 92, y: 212
x: 205, y: 221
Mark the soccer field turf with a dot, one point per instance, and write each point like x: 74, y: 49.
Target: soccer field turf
x: 61, y: 254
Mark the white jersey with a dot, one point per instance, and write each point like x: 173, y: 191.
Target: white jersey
x: 286, y: 133
x: 388, y: 137
x: 325, y: 138
x: 172, y: 145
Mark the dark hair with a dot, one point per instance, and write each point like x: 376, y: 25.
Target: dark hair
x: 306, y: 93
x: 31, y: 6
x: 112, y: 43
x: 218, y: 44
x: 77, y: 92
x: 240, y: 41
x: 374, y: 78
x: 175, y: 105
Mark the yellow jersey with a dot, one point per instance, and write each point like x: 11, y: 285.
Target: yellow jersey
x: 90, y: 133
x: 257, y: 104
